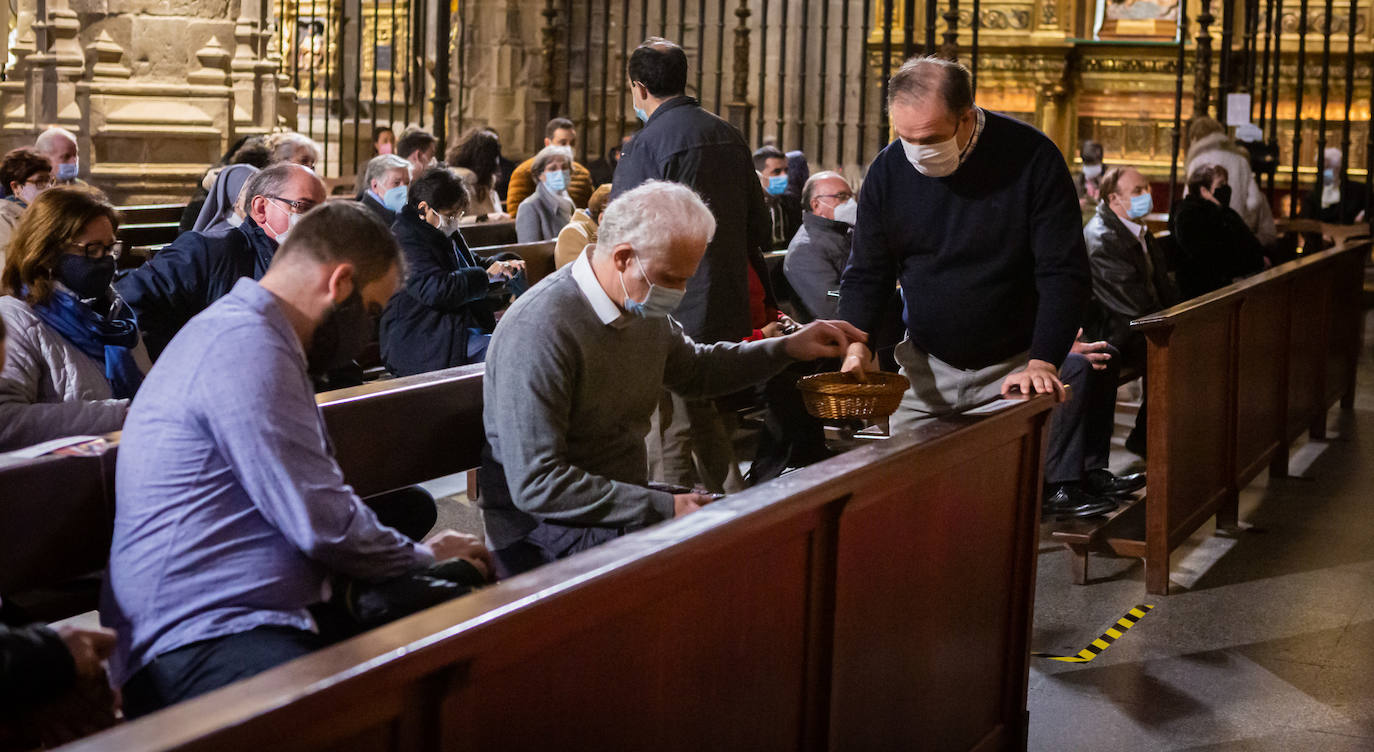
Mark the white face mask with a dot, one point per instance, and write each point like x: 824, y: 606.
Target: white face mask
x: 291, y: 219
x: 848, y: 212
x: 1092, y: 171
x: 934, y: 160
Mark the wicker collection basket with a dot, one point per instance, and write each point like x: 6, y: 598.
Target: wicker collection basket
x: 833, y: 396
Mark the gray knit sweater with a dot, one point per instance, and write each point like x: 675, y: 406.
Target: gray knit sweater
x: 568, y: 401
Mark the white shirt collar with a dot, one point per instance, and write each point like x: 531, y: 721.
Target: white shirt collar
x: 1131, y: 227
x: 605, y: 308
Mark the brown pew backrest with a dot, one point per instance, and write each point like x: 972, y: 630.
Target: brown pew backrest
x: 58, y: 512
x: 151, y: 213
x: 538, y: 256
x: 488, y: 233
x: 879, y: 600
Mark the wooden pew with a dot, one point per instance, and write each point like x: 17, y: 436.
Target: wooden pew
x: 489, y: 233
x: 538, y: 256
x: 879, y: 600
x: 147, y: 228
x: 58, y: 512
x: 1234, y: 377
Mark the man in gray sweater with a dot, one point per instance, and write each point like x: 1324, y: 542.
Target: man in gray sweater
x: 575, y: 370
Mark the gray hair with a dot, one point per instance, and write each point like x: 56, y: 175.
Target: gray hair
x: 809, y: 190
x: 284, y: 145
x: 268, y: 182
x: 548, y: 154
x: 46, y: 139
x: 381, y: 165
x: 921, y: 77
x: 654, y: 216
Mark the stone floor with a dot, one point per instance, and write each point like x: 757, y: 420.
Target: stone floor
x: 1267, y: 640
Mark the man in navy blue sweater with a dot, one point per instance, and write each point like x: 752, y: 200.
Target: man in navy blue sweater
x: 976, y: 216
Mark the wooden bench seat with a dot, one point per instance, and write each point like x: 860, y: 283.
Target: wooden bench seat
x: 879, y: 600
x: 1235, y: 376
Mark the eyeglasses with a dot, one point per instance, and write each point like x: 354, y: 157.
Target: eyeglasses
x: 42, y: 183
x: 99, y: 250
x: 841, y: 196
x: 299, y: 207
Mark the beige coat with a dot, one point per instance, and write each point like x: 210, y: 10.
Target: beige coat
x: 574, y: 238
x: 49, y: 388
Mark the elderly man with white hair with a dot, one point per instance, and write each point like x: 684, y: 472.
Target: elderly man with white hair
x: 59, y: 146
x: 576, y: 368
x: 385, y: 186
x: 549, y: 209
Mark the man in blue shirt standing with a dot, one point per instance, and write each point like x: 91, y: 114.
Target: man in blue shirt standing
x: 231, y: 513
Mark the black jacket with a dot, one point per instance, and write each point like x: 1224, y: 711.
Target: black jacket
x: 35, y: 664
x: 1214, y: 246
x: 386, y: 215
x: 425, y: 326
x: 1124, y: 286
x: 686, y: 144
x: 184, y: 278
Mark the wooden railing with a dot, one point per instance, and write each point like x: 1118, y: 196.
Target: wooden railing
x: 881, y: 599
x: 1233, y: 377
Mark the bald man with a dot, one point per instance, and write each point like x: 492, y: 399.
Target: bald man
x: 184, y: 278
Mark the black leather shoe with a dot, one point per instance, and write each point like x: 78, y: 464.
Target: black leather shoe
x: 1068, y: 501
x: 1103, y: 483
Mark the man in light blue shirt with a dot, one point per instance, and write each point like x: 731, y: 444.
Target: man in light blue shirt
x: 231, y: 512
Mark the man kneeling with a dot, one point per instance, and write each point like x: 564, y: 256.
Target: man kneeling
x: 231, y: 513
x: 576, y: 368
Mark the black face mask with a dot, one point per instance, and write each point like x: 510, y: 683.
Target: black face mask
x: 341, y: 338
x: 88, y: 278
x: 1222, y: 193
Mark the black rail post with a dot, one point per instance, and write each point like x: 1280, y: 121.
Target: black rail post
x: 1176, y: 135
x: 950, y: 49
x: 739, y: 90
x: 1297, y: 108
x: 1349, y: 87
x: 1326, y: 80
x: 1202, y: 75
x: 443, y: 21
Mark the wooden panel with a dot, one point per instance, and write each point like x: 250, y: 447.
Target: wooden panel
x: 58, y: 515
x: 892, y: 625
x: 489, y: 233
x: 1192, y: 379
x: 1307, y: 349
x: 1261, y: 380
x: 538, y: 256
x: 394, y: 433
x: 151, y: 213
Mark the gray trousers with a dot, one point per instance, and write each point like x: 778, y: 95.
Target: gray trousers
x: 939, y: 389
x: 690, y: 443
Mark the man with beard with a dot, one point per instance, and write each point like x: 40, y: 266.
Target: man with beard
x: 231, y: 512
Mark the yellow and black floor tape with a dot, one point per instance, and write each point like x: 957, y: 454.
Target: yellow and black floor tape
x: 1112, y: 634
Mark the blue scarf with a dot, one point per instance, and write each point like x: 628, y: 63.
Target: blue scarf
x: 108, y: 340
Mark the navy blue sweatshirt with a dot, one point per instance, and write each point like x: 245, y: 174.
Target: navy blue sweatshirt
x: 991, y: 259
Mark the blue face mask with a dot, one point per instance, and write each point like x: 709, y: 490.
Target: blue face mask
x: 68, y: 170
x: 395, y: 199
x: 777, y: 185
x: 659, y: 303
x: 556, y: 181
x: 642, y: 115
x: 1328, y: 176
x: 1141, y: 205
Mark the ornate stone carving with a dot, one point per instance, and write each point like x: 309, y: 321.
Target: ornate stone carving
x: 997, y: 19
x: 214, y: 65
x: 105, y: 58
x: 740, y: 88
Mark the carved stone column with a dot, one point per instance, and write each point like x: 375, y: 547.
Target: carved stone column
x: 546, y: 106
x: 738, y: 108
x: 950, y: 48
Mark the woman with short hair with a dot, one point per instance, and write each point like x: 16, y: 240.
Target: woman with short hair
x: 24, y: 173
x: 550, y: 206
x: 74, y: 358
x: 441, y: 318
